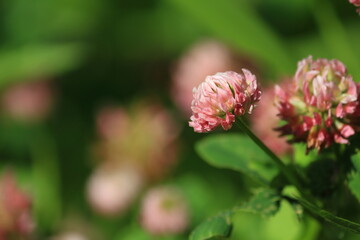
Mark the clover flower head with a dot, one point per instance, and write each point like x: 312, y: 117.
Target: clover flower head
x: 320, y: 105
x: 222, y: 97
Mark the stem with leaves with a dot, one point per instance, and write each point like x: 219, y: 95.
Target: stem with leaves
x: 289, y: 174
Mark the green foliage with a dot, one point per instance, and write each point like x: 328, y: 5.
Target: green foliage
x: 331, y: 218
x: 34, y: 61
x: 262, y: 217
x: 133, y: 45
x: 239, y: 153
x: 323, y: 176
x: 284, y: 225
x: 41, y: 20
x: 202, y: 195
x: 354, y: 178
x: 300, y: 156
x: 46, y: 178
x: 250, y: 34
x: 218, y: 227
x: 136, y: 232
x: 264, y: 202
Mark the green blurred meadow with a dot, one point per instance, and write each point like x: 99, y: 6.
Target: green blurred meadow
x: 97, y: 53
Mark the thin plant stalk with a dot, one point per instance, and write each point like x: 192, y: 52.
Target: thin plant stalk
x: 46, y: 177
x: 292, y: 178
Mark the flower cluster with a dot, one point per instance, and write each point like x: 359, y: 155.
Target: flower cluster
x: 222, y: 97
x: 320, y: 105
x: 15, y: 217
x: 136, y: 146
x: 152, y: 131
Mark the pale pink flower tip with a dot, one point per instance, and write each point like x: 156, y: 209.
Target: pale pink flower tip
x: 222, y: 97
x: 321, y: 105
x: 164, y: 211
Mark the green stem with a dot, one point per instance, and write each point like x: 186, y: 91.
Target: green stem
x: 46, y: 177
x: 283, y: 168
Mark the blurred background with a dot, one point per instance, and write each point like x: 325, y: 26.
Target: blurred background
x: 95, y: 100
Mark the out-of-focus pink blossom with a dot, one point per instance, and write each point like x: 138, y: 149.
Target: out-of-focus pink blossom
x: 321, y: 105
x: 111, y: 191
x: 112, y: 122
x: 264, y: 120
x: 356, y: 3
x: 29, y: 101
x: 145, y: 138
x: 137, y: 146
x: 164, y: 211
x: 203, y: 59
x: 70, y: 236
x: 15, y: 216
x: 222, y: 97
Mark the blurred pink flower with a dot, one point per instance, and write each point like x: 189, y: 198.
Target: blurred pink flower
x: 264, y: 121
x: 204, y: 58
x: 111, y: 191
x: 143, y: 137
x: 321, y: 105
x: 70, y: 236
x: 356, y: 3
x: 28, y: 101
x: 164, y: 211
x: 222, y: 97
x: 112, y: 122
x: 15, y: 216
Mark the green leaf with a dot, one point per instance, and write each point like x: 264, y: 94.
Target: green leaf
x: 56, y: 19
x: 331, y: 218
x: 237, y: 152
x: 203, y: 195
x: 354, y: 178
x: 300, y: 156
x: 284, y: 225
x: 264, y: 202
x: 29, y: 62
x: 218, y: 227
x: 238, y: 24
